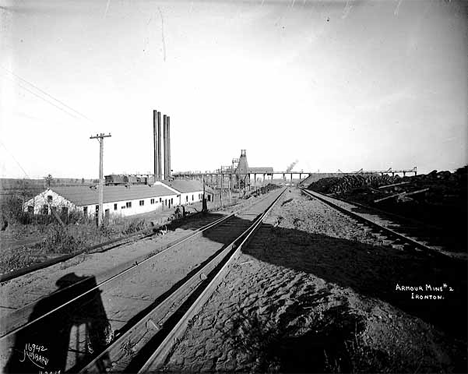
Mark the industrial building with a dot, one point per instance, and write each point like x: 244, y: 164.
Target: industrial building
x: 119, y: 201
x: 189, y: 191
x: 243, y: 172
x: 238, y: 176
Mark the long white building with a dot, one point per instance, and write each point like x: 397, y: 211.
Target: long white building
x: 118, y: 200
x: 188, y: 191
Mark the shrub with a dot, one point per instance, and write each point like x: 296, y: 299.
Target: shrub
x: 133, y: 226
x: 59, y: 240
x: 12, y: 209
x: 107, y: 231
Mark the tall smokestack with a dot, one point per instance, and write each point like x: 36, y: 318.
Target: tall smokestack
x: 156, y: 143
x: 168, y: 139
x: 159, y: 147
x: 165, y: 145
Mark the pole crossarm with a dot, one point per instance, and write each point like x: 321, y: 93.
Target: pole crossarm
x: 100, y: 136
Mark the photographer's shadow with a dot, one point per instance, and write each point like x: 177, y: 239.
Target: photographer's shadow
x: 65, y: 338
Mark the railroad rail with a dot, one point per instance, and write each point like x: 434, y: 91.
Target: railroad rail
x: 405, y: 233
x: 145, y: 323
x: 20, y: 313
x: 97, y: 248
x: 14, y: 322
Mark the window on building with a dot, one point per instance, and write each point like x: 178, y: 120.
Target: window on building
x: 45, y: 209
x: 186, y: 198
x: 30, y: 209
x: 172, y: 201
x: 85, y: 210
x: 128, y: 204
x: 193, y: 197
x: 142, y: 202
x: 115, y: 206
x: 49, y: 198
x: 160, y: 199
x: 152, y: 201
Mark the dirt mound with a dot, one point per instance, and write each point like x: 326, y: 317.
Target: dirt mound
x: 438, y: 198
x: 351, y: 183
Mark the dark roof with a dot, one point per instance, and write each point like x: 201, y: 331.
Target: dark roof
x: 261, y: 170
x: 184, y: 186
x: 83, y: 195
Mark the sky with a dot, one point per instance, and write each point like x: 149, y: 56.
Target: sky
x: 336, y: 85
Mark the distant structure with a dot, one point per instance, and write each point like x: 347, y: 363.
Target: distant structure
x: 161, y: 157
x: 127, y: 179
x: 239, y: 175
x: 162, y: 167
x: 235, y: 176
x: 243, y: 171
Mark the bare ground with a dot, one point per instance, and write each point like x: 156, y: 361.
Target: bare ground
x: 314, y: 292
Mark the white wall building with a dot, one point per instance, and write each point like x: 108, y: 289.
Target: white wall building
x: 118, y: 200
x: 188, y: 191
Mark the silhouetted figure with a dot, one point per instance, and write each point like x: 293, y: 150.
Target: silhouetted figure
x: 47, y: 345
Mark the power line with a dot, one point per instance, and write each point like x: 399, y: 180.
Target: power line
x: 48, y: 101
x: 14, y: 159
x: 45, y: 93
x: 74, y: 111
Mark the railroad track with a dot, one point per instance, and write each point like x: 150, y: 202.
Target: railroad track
x: 399, y: 232
x: 97, y: 248
x: 15, y: 319
x: 23, y: 307
x: 128, y: 322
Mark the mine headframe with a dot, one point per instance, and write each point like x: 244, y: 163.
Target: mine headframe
x: 242, y: 171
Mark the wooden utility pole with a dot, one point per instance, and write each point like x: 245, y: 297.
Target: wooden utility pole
x: 100, y: 138
x: 204, y: 206
x: 221, y: 194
